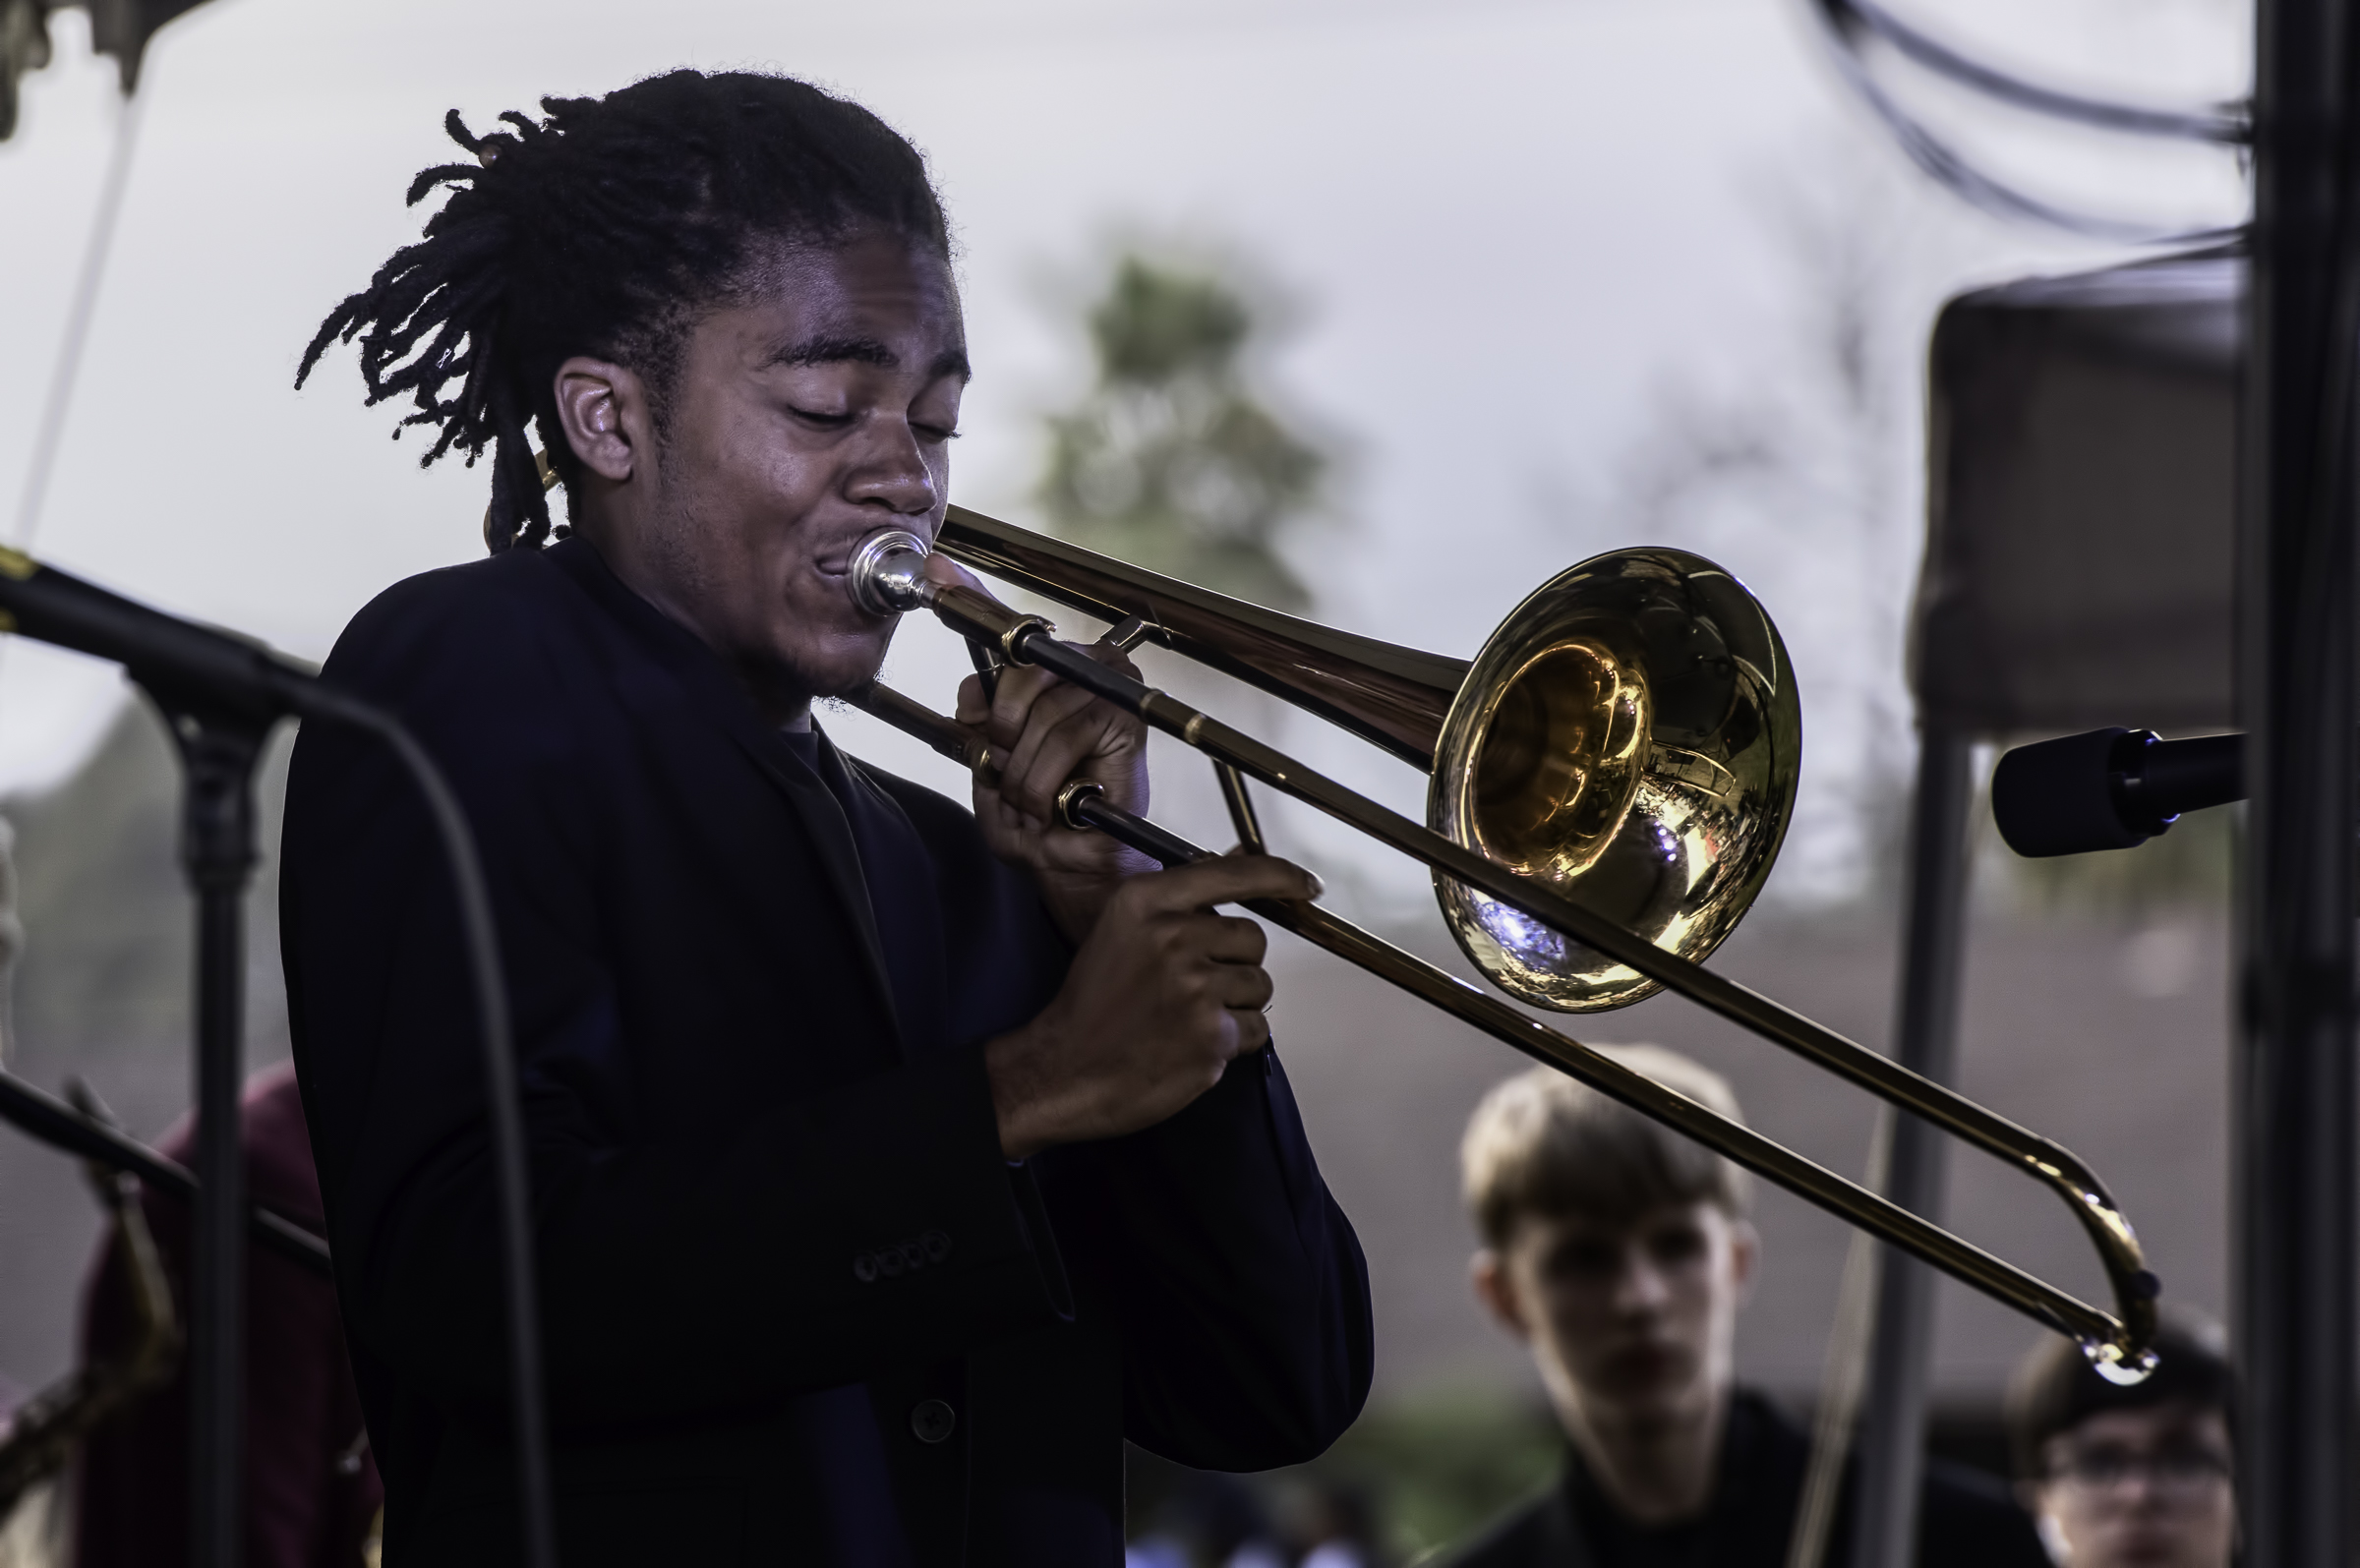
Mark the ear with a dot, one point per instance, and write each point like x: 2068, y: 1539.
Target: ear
x: 1487, y: 1271
x: 1745, y: 1256
x: 608, y: 419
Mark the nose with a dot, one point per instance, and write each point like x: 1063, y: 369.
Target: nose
x: 893, y: 474
x: 1639, y: 1286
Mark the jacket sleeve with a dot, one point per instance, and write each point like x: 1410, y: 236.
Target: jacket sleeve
x: 797, y: 1244
x: 1248, y: 1341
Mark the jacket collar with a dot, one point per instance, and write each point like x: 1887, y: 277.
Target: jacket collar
x: 717, y: 697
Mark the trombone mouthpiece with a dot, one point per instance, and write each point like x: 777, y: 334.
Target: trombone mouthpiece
x: 888, y: 573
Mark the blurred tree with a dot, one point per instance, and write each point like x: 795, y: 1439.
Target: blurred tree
x: 1170, y: 462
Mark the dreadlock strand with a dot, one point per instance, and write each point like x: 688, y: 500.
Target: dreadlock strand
x: 457, y: 129
x: 454, y: 174
x: 601, y: 227
x: 501, y: 525
x: 448, y: 319
x: 512, y: 464
x: 344, y: 318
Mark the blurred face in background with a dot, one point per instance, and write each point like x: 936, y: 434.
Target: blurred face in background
x: 1633, y: 1326
x: 2140, y: 1488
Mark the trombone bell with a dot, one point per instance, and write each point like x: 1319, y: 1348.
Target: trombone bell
x: 1630, y: 737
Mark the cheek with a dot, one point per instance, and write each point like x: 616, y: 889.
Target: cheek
x: 1575, y: 1313
x: 1703, y: 1297
x: 2078, y: 1514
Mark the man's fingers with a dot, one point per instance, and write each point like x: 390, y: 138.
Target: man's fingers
x: 1013, y: 692
x: 1244, y: 987
x: 1253, y: 1031
x: 1022, y: 685
x: 1065, y: 726
x: 1225, y: 879
x: 1229, y: 940
x: 971, y: 709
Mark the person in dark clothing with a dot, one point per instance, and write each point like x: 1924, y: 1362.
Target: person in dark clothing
x: 312, y: 1489
x: 1621, y: 1255
x: 891, y: 1163
x: 2139, y: 1476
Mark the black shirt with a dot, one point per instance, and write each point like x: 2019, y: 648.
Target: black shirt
x: 1965, y: 1520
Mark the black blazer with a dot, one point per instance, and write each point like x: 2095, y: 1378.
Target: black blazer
x: 797, y: 1307
x: 1965, y: 1520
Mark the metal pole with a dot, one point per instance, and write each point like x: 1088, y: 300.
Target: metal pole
x: 2294, y: 1080
x: 217, y: 855
x: 1926, y: 1038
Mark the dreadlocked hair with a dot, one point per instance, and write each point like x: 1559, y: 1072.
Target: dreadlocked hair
x: 605, y: 228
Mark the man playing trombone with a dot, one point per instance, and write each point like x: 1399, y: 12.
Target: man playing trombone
x: 890, y: 1165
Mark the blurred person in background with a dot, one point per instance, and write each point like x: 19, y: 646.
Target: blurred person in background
x: 312, y: 1489
x: 2130, y: 1477
x: 1621, y: 1253
x: 311, y: 1492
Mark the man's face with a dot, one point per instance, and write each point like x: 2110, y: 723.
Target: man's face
x: 2142, y: 1488
x: 1631, y: 1327
x: 813, y: 411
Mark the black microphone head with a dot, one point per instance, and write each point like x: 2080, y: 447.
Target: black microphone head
x: 2060, y: 796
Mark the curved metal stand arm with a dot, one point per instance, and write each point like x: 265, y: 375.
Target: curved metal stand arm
x: 61, y: 1125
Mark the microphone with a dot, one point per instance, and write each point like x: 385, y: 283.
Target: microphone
x: 2109, y: 789
x: 158, y: 651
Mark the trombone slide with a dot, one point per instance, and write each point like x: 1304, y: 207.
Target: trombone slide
x: 888, y: 578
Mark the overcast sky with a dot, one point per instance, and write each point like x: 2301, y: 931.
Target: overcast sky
x: 1515, y: 235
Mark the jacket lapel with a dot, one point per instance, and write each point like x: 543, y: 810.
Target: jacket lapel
x: 832, y: 839
x: 710, y: 688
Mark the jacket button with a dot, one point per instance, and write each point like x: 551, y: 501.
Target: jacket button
x: 865, y: 1268
x: 937, y: 1246
x: 932, y: 1420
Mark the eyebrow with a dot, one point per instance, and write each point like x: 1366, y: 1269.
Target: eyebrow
x: 826, y: 349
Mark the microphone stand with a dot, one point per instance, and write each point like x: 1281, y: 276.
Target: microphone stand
x: 218, y: 851
x: 220, y: 696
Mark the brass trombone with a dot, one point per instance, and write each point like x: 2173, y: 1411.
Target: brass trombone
x: 1608, y: 782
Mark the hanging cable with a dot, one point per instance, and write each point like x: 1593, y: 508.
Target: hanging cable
x: 2227, y: 125
x: 50, y: 433
x: 1850, y: 23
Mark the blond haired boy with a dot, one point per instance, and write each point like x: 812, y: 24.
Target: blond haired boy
x: 1621, y: 1253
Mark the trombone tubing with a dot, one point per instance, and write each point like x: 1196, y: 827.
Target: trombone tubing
x: 2117, y: 1343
